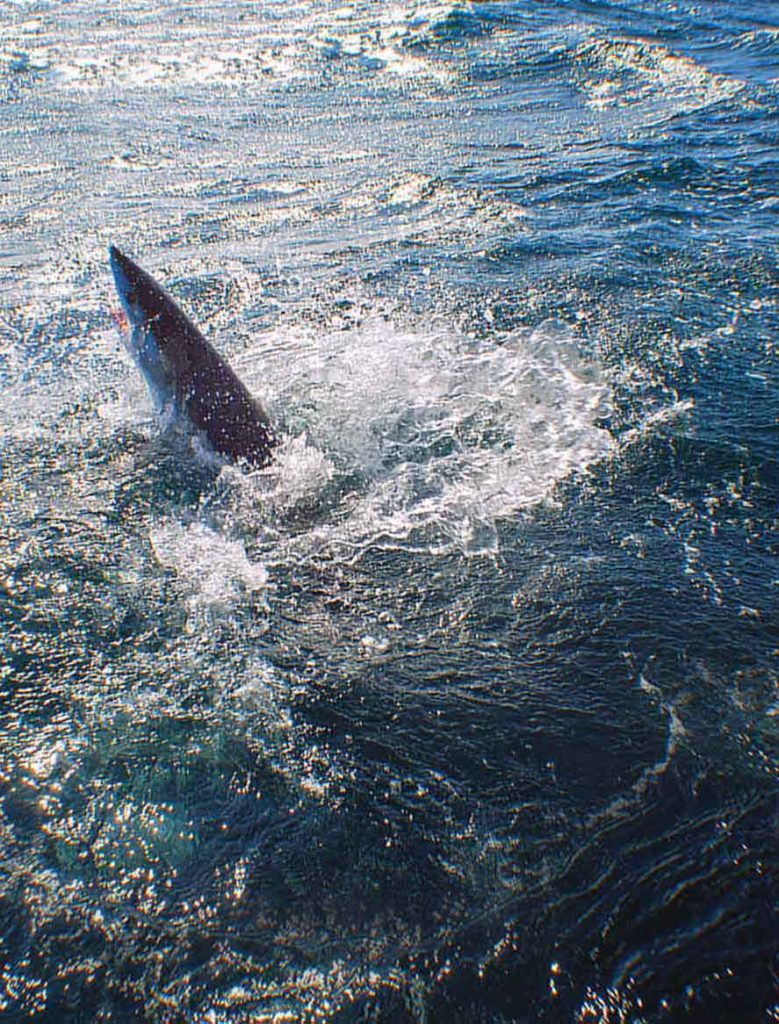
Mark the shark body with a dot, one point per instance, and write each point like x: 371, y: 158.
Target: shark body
x: 186, y: 375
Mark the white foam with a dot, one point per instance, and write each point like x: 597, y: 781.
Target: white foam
x: 445, y: 434
x: 214, y: 571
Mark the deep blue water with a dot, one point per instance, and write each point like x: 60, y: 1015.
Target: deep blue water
x: 465, y: 710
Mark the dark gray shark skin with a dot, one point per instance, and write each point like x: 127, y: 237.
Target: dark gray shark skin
x: 185, y: 373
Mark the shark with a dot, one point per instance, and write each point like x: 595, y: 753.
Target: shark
x: 188, y: 379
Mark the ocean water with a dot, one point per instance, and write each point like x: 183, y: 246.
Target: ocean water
x: 465, y: 709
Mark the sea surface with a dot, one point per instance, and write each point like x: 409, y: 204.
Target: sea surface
x: 464, y: 711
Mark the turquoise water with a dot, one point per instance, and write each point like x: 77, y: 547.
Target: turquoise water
x: 465, y: 709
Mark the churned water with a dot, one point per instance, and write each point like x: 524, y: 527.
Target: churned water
x: 465, y: 709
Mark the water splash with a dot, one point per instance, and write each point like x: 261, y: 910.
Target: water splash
x: 432, y: 436
x: 213, y: 570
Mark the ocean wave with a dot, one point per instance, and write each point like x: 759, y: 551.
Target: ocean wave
x: 239, y: 51
x: 647, y: 79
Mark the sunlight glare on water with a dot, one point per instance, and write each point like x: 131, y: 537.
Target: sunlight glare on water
x: 464, y: 707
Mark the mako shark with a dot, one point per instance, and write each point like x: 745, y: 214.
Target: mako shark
x: 187, y: 377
